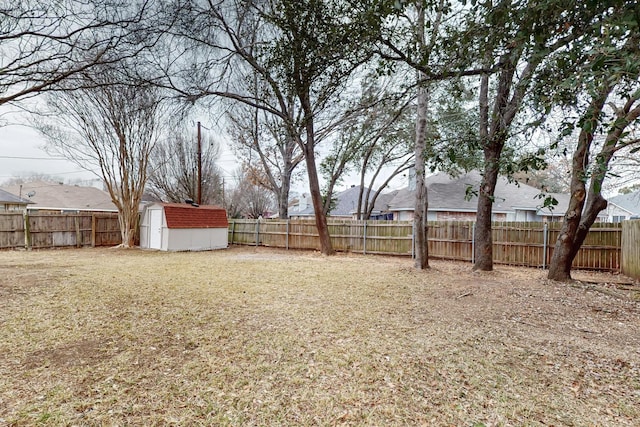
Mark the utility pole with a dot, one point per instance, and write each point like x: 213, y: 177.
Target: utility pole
x: 199, y: 165
x: 224, y: 199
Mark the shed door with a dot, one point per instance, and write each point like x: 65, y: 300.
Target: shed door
x: 155, y: 228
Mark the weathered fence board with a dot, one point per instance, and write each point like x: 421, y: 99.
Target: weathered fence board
x: 105, y: 230
x: 630, y: 265
x: 52, y: 230
x: 11, y: 230
x: 514, y: 243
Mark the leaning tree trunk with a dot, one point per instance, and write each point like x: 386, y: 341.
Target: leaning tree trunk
x: 595, y: 204
x: 316, y: 197
x: 570, y: 238
x: 563, y: 253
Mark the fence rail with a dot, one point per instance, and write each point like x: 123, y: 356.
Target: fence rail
x: 52, y: 230
x: 514, y: 243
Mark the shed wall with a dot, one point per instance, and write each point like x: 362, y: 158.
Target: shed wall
x: 145, y: 228
x: 195, y: 239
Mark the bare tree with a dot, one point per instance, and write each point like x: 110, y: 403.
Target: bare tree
x: 173, y: 170
x: 417, y: 29
x: 374, y: 139
x: 271, y: 154
x: 43, y: 42
x: 112, y: 127
x: 30, y: 177
x: 248, y: 200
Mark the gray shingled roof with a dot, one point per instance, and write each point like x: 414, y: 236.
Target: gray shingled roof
x: 50, y: 195
x: 347, y: 201
x: 6, y: 197
x: 629, y: 202
x: 447, y: 193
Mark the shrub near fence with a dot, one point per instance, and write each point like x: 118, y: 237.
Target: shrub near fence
x: 514, y: 243
x: 53, y: 230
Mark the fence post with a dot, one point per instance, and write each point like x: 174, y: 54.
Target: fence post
x: 27, y: 231
x: 78, y: 234
x: 473, y: 242
x: 413, y: 239
x: 545, y: 237
x: 257, y: 232
x: 364, y: 238
x: 233, y: 229
x: 93, y: 230
x: 287, y: 236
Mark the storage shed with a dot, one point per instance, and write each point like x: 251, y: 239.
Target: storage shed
x: 183, y: 227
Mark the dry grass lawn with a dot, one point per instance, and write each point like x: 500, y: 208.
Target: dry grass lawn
x: 264, y: 337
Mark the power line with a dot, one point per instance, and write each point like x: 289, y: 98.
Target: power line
x: 47, y: 174
x: 32, y: 158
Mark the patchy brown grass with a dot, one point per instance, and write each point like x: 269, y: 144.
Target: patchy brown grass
x: 252, y: 336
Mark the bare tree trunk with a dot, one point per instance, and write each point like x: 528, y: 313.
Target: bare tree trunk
x: 283, y: 196
x: 421, y: 203
x: 128, y: 227
x: 480, y: 248
x: 420, y: 227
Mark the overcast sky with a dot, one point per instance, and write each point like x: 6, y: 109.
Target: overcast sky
x: 22, y: 154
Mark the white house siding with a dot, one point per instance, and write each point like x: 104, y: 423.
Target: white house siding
x: 523, y: 215
x: 403, y: 216
x: 455, y: 216
x: 616, y: 213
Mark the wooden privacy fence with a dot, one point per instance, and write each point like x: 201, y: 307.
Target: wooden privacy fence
x: 630, y: 264
x: 514, y: 243
x: 47, y: 230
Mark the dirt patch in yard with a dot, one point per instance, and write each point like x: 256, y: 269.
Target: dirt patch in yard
x: 257, y: 336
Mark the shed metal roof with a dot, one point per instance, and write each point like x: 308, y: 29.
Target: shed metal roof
x: 180, y: 215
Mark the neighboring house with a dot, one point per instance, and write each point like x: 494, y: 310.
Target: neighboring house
x: 183, y: 227
x: 623, y: 206
x: 455, y: 199
x: 345, y: 206
x: 57, y: 197
x: 347, y: 202
x: 12, y: 203
x: 301, y: 207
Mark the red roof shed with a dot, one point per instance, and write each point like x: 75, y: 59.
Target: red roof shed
x: 183, y: 227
